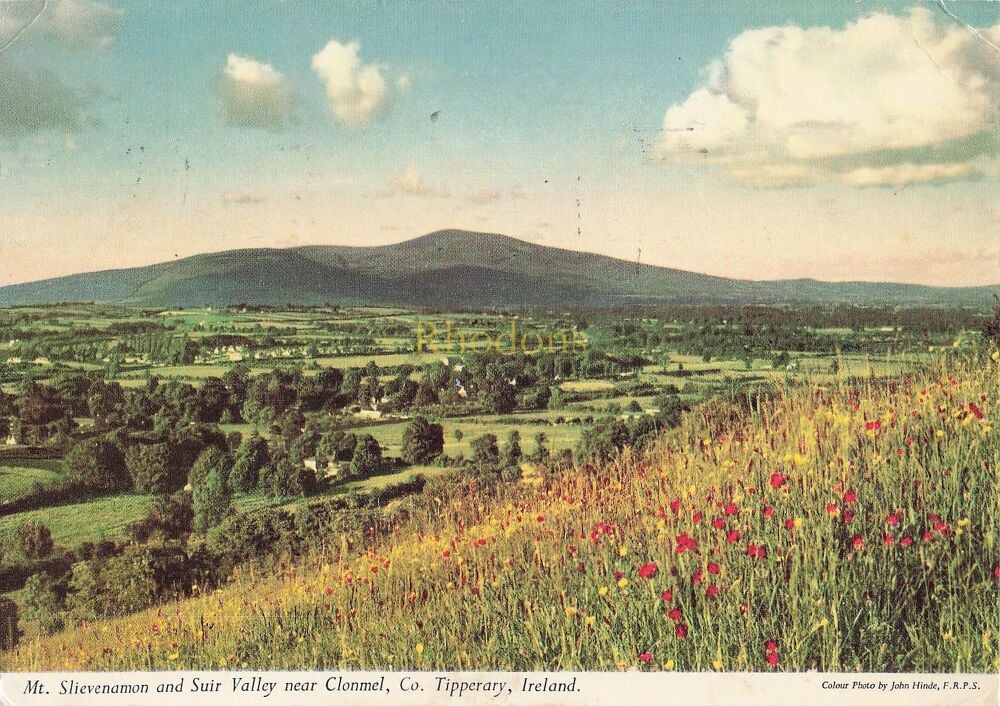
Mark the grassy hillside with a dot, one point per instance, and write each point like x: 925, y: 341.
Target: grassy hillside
x: 449, y: 269
x: 841, y: 526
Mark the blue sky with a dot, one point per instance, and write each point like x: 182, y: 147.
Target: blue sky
x: 137, y: 132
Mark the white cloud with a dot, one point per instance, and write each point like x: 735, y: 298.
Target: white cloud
x: 75, y: 24
x: 84, y: 24
x: 255, y: 94
x: 908, y: 173
x: 411, y: 182
x: 861, y: 105
x: 356, y: 93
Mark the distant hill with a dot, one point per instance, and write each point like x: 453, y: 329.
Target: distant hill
x: 452, y: 269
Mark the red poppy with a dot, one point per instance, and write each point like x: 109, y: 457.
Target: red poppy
x: 771, y: 645
x: 906, y: 541
x: 647, y: 571
x: 857, y: 542
x: 731, y: 509
x: 892, y: 520
x: 697, y: 578
x: 848, y: 517
x: 790, y: 523
x: 996, y: 571
x: 976, y: 412
x: 674, y: 614
x: 646, y: 657
x: 832, y: 509
x: 712, y: 591
x: 667, y: 596
x: 873, y: 425
x: 850, y: 496
x: 684, y: 542
x: 772, y: 659
x: 768, y: 511
x: 733, y: 536
x: 719, y: 523
x: 713, y: 568
x: 888, y: 540
x: 697, y: 518
x: 755, y: 551
x: 777, y: 480
x: 681, y: 630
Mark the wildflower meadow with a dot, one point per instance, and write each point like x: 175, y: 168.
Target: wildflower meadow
x: 835, y: 526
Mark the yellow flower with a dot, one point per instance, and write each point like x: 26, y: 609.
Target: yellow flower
x: 669, y: 665
x: 571, y: 611
x: 622, y: 551
x: 589, y: 621
x: 419, y: 648
x: 717, y: 663
x: 797, y: 522
x: 602, y: 591
x: 172, y: 656
x: 622, y: 582
x: 940, y: 434
x: 948, y: 636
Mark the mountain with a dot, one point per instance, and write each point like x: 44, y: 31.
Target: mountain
x: 452, y: 269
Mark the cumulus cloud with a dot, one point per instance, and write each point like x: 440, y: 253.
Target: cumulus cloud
x: 36, y: 100
x: 412, y: 183
x: 75, y: 24
x: 255, y: 94
x: 881, y: 101
x: 82, y: 24
x: 356, y: 93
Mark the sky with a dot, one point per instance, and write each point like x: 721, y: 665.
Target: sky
x: 761, y: 140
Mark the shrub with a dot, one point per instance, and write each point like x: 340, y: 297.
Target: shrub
x: 34, y: 540
x: 9, y: 632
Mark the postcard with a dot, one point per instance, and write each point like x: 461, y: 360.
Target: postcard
x: 445, y: 352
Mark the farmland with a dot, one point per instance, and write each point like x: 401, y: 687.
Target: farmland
x: 596, y: 453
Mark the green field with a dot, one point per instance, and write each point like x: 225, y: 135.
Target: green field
x: 20, y: 477
x: 90, y: 520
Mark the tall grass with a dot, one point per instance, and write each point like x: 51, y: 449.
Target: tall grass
x: 850, y: 526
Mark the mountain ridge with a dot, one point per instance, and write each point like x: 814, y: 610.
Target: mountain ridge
x: 452, y: 269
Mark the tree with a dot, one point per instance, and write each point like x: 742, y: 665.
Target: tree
x: 669, y: 408
x: 213, y: 400
x: 211, y: 494
x: 99, y: 465
x: 541, y: 452
x: 458, y: 434
x: 498, y: 395
x: 601, y: 441
x: 43, y: 603
x: 337, y: 445
x: 485, y: 451
x: 511, y: 452
x: 367, y: 458
x: 284, y: 479
x: 34, y: 540
x: 422, y: 441
x: 252, y: 455
x: 149, y: 467
x: 171, y: 517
